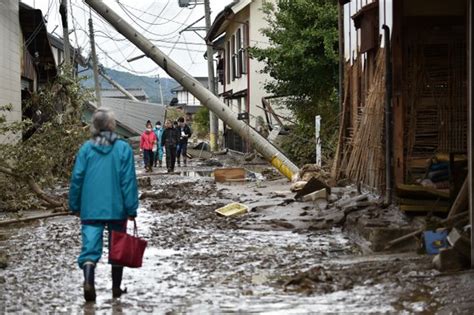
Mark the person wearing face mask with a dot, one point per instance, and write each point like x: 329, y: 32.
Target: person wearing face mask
x: 159, y: 150
x: 147, y: 141
x: 169, y: 140
x: 184, y: 135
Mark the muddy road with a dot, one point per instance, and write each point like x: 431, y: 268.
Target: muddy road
x: 266, y: 261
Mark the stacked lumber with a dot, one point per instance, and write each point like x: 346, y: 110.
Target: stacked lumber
x: 366, y: 154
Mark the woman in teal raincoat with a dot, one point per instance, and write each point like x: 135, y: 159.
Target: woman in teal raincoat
x: 104, y: 193
x: 158, y: 130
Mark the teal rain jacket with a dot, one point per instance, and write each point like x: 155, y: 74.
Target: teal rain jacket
x: 104, y: 184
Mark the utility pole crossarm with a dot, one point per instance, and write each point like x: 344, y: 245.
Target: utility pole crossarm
x: 207, y: 98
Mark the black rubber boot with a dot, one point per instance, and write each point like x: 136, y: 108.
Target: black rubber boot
x: 117, y: 273
x: 89, y: 287
x: 185, y: 161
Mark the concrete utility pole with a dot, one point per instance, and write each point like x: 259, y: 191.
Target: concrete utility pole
x: 213, y: 122
x: 67, y: 49
x: 95, y: 66
x: 118, y: 86
x: 161, y: 91
x: 269, y: 152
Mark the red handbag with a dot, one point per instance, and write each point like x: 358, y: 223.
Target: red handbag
x: 127, y: 250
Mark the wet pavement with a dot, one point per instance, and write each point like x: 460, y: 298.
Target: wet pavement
x: 265, y: 262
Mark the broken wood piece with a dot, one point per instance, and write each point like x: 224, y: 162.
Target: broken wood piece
x: 320, y: 194
x: 356, y: 205
x: 462, y: 200
x: 228, y: 174
x: 424, y: 208
x: 312, y: 185
x: 44, y: 216
x: 345, y: 202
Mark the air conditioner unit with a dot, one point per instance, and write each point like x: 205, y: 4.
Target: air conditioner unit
x: 183, y: 3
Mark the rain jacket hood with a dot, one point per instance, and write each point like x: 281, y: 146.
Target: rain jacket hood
x: 103, y: 143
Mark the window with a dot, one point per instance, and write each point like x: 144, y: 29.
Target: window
x: 243, y: 50
x: 238, y: 51
x: 227, y: 62
x: 234, y: 58
x: 220, y: 70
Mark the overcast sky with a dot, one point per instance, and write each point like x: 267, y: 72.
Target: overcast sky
x: 158, y: 20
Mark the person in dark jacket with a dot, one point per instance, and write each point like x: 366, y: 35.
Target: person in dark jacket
x: 169, y: 140
x: 104, y: 193
x: 184, y: 134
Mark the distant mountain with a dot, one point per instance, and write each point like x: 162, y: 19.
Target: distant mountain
x: 129, y: 80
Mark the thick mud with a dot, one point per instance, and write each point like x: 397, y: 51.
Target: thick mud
x: 266, y: 261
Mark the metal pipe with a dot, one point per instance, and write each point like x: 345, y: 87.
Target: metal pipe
x: 265, y: 148
x: 388, y: 116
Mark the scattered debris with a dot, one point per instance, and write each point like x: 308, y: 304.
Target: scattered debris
x: 449, y: 259
x: 435, y: 241
x: 144, y: 182
x: 460, y: 242
x: 314, y: 184
x: 229, y: 174
x: 319, y: 194
x: 3, y: 260
x: 233, y: 209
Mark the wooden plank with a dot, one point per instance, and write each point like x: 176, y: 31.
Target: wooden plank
x: 424, y: 208
x: 461, y: 202
x: 229, y: 174
x: 398, y: 108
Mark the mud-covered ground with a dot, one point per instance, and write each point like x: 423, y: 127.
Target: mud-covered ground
x: 267, y: 261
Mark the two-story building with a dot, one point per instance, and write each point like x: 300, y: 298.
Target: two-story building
x: 185, y: 101
x: 240, y: 78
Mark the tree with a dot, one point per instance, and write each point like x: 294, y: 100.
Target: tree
x: 303, y: 62
x: 45, y: 157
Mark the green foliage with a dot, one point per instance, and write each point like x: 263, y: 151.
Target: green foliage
x: 201, y: 122
x: 55, y: 134
x: 303, y: 61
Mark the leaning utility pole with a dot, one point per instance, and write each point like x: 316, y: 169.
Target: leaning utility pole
x: 213, y: 122
x: 95, y: 66
x: 268, y: 151
x: 67, y: 49
x: 118, y: 86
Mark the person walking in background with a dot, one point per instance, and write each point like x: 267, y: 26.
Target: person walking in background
x: 170, y: 140
x: 104, y: 193
x: 158, y: 130
x: 184, y: 134
x: 147, y: 141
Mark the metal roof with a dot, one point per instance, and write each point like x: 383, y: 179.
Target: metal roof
x: 139, y: 92
x: 133, y: 115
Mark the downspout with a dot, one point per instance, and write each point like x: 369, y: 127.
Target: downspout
x: 341, y: 55
x: 388, y: 116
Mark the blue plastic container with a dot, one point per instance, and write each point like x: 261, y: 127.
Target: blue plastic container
x: 434, y: 241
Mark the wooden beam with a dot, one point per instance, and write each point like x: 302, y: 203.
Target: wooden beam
x: 398, y: 106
